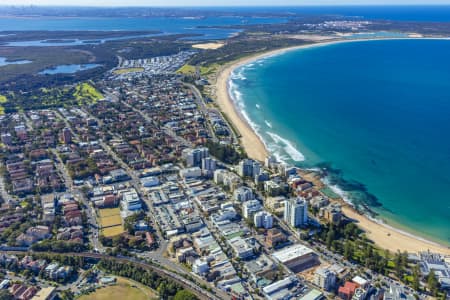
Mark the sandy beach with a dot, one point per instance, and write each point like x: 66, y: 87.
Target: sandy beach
x: 390, y: 238
x: 252, y: 144
x: 383, y: 235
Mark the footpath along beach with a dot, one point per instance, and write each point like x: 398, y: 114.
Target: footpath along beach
x: 383, y: 235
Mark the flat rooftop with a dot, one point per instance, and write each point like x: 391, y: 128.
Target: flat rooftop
x: 292, y: 252
x: 279, y: 285
x: 312, y: 295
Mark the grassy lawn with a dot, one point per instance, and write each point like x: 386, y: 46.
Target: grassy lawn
x: 85, y: 91
x: 110, y: 221
x: 409, y: 278
x: 187, y: 70
x: 2, y: 100
x: 204, y: 71
x: 391, y: 264
x: 124, y: 289
x: 108, y: 212
x: 24, y: 204
x: 113, y: 231
x: 128, y: 70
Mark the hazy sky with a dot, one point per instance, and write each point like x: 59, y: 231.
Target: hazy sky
x: 214, y: 2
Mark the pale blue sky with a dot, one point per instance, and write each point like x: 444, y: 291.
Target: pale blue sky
x: 216, y: 2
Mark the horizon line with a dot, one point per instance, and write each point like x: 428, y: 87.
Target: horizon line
x: 223, y: 6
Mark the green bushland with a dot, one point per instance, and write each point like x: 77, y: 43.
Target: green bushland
x: 224, y: 153
x: 43, y: 98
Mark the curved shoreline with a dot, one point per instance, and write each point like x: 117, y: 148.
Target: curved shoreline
x: 251, y: 142
x: 383, y: 235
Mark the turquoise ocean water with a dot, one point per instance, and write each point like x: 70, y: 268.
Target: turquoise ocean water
x: 376, y: 114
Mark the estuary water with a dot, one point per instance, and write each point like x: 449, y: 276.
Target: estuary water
x: 195, y: 26
x: 68, y: 69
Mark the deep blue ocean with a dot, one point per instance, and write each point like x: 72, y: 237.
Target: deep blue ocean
x: 376, y: 114
x: 432, y: 13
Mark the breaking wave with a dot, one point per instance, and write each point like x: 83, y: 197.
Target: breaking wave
x: 287, y: 146
x: 283, y: 149
x: 337, y: 190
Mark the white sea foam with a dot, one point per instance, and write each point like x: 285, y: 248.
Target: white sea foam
x: 252, y: 124
x: 261, y: 61
x: 236, y: 97
x: 288, y: 147
x: 248, y: 67
x: 277, y: 152
x: 337, y: 190
x: 312, y: 169
x: 281, y: 148
x: 238, y: 74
